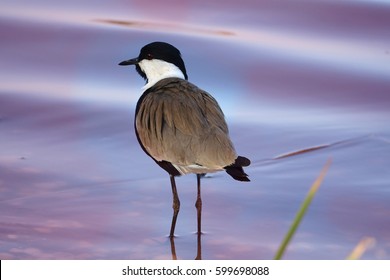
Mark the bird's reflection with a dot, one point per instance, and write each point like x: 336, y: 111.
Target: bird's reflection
x: 173, y: 248
x: 198, y: 249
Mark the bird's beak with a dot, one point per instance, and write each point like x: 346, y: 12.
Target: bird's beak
x: 129, y: 62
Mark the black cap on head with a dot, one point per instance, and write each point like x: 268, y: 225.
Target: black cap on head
x: 158, y: 50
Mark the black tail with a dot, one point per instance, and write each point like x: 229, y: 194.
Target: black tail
x: 236, y: 171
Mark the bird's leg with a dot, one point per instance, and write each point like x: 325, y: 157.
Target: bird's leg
x: 175, y: 206
x: 198, y: 205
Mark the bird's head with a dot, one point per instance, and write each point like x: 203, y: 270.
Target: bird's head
x: 156, y: 61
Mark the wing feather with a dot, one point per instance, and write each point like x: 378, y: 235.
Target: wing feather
x: 182, y: 124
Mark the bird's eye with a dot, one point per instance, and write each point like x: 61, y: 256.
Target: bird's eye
x: 149, y: 56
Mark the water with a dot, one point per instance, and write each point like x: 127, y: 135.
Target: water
x: 74, y: 184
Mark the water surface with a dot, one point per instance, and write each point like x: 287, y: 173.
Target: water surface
x: 74, y: 184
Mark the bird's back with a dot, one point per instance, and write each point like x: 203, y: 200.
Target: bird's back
x: 178, y: 123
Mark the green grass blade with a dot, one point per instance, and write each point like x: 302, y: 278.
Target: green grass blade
x: 302, y: 211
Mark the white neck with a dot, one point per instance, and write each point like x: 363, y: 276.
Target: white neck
x: 157, y: 69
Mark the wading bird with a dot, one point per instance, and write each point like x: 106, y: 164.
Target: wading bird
x: 180, y: 126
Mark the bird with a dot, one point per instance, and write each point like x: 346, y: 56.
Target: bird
x: 180, y: 126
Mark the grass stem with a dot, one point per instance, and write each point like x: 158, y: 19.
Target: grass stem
x: 302, y: 211
x: 361, y: 247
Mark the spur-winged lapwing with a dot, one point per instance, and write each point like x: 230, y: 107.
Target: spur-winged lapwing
x: 180, y: 126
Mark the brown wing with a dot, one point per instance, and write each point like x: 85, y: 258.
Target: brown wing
x: 182, y: 124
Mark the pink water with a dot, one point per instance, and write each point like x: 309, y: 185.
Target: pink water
x: 74, y: 184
